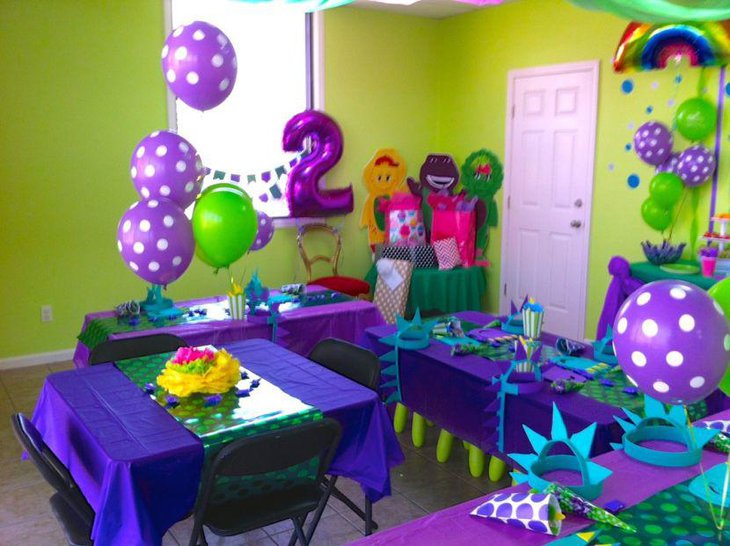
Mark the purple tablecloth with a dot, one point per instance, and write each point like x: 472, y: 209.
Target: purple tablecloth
x: 621, y: 286
x: 300, y: 329
x: 128, y: 454
x: 631, y: 483
x: 453, y: 393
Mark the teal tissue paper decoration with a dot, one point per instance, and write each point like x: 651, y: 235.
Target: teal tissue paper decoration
x: 603, y: 348
x: 541, y: 462
x: 410, y: 335
x: 674, y: 428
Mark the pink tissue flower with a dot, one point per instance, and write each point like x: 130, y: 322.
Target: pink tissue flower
x: 185, y: 355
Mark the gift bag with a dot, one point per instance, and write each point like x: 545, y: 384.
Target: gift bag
x: 392, y: 288
x: 404, y: 220
x: 455, y: 216
x: 422, y: 256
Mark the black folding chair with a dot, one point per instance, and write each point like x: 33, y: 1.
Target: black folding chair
x: 68, y: 503
x: 361, y: 366
x: 256, y: 459
x: 112, y: 350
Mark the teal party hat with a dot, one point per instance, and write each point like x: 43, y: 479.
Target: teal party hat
x: 541, y: 462
x: 659, y: 423
x: 514, y: 323
x: 603, y: 348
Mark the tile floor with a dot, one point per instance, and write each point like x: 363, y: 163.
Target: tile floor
x: 420, y: 486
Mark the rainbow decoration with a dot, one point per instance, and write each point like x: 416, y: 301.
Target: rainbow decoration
x: 650, y: 46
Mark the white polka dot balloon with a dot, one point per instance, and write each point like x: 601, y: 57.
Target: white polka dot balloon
x: 673, y: 341
x: 155, y: 239
x: 696, y: 165
x: 199, y: 65
x: 165, y: 165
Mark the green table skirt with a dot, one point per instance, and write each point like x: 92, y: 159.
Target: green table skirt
x: 648, y: 272
x: 448, y: 291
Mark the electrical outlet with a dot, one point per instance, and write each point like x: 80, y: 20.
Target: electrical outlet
x: 46, y: 313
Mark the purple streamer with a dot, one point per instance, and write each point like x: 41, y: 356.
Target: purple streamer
x: 718, y: 145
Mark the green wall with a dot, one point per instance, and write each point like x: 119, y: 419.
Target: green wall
x: 81, y: 84
x: 483, y: 46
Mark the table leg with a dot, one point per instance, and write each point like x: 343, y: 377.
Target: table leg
x: 497, y: 469
x: 444, y: 445
x: 476, y: 461
x: 418, y: 430
x: 400, y: 419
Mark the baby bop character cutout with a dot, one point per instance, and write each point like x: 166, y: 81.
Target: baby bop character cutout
x: 383, y: 176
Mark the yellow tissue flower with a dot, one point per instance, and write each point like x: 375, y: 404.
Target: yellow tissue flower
x: 221, y: 377
x: 236, y: 290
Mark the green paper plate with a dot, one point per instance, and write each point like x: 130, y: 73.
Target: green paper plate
x: 680, y: 269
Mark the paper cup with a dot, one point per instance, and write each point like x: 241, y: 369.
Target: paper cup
x: 237, y: 305
x: 539, y: 512
x: 708, y: 263
x: 532, y: 323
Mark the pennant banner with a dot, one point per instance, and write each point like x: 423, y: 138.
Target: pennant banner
x: 265, y: 187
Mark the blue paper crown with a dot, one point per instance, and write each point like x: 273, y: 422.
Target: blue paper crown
x: 536, y: 464
x: 513, y: 323
x: 603, y: 348
x: 674, y: 429
x: 410, y: 335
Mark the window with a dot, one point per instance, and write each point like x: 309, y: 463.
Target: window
x: 240, y: 140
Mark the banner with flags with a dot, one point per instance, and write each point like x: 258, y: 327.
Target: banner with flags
x: 267, y: 188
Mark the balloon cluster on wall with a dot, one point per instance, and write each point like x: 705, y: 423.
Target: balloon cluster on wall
x: 653, y: 142
x: 155, y: 238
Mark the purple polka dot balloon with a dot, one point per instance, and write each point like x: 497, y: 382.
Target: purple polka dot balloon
x: 669, y: 165
x: 166, y: 166
x: 265, y: 231
x: 696, y: 165
x: 199, y: 64
x: 653, y: 143
x: 672, y: 341
x: 156, y: 241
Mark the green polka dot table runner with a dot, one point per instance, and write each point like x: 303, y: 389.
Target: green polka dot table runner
x: 266, y: 408
x: 612, y: 393
x: 673, y: 517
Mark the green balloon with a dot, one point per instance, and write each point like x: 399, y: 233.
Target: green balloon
x: 666, y: 189
x: 654, y: 214
x: 696, y: 118
x: 720, y: 292
x: 224, y: 225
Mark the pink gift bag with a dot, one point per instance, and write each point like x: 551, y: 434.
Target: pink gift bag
x: 454, y: 216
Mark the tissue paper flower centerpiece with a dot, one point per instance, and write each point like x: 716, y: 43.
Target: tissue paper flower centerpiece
x: 194, y: 370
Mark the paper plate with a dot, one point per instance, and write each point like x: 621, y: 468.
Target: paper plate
x: 680, y: 269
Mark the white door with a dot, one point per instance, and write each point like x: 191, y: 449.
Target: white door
x: 551, y: 129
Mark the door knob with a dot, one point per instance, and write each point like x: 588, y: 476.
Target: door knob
x: 576, y: 224
x: 578, y: 203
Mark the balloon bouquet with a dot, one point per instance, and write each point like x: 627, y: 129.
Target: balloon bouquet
x: 653, y: 142
x: 155, y: 238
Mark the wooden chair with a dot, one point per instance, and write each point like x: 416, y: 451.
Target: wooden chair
x: 347, y: 285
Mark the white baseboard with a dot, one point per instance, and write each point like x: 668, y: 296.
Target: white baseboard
x: 36, y: 359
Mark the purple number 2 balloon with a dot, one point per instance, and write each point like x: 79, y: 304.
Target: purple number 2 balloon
x: 303, y: 192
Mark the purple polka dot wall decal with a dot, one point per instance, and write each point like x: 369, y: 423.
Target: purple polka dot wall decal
x: 611, y: 167
x: 627, y: 86
x: 655, y: 85
x: 633, y: 181
x: 631, y: 125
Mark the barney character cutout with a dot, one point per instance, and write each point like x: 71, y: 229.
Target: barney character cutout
x: 439, y: 174
x: 383, y: 176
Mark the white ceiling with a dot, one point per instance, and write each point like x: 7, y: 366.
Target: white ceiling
x: 436, y: 9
